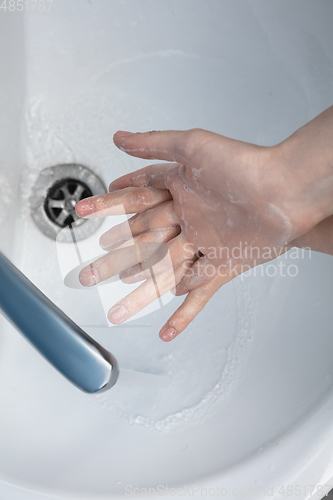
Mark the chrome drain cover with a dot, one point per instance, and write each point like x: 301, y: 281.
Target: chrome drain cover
x: 61, y: 200
x: 54, y: 197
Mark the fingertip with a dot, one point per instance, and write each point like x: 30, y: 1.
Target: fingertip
x: 122, y: 134
x: 167, y: 334
x: 85, y: 207
x: 120, y: 139
x: 88, y: 276
x: 180, y: 289
x: 102, y: 243
x: 118, y: 184
x: 162, y: 145
x: 126, y: 280
x: 118, y: 313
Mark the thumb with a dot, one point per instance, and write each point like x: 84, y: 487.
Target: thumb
x: 169, y: 145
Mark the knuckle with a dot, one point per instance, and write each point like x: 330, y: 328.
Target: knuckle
x: 196, y: 140
x: 151, y: 136
x: 199, y: 299
x: 196, y: 132
x: 192, y: 138
x: 140, y: 179
x: 139, y: 223
x: 141, y: 197
x: 142, y: 223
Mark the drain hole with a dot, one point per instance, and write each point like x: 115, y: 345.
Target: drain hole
x: 61, y: 200
x: 56, y: 192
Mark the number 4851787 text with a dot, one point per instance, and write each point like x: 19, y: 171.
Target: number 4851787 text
x: 20, y: 5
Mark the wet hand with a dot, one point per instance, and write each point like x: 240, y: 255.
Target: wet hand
x: 217, y: 204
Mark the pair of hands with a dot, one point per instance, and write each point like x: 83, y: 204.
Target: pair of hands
x: 214, y: 196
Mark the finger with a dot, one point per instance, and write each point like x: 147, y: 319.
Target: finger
x: 129, y: 201
x: 168, y: 145
x: 163, y: 235
x: 161, y: 216
x: 189, y: 309
x: 197, y: 276
x: 151, y: 175
x: 199, y: 293
x: 145, y: 294
x: 179, y: 250
x: 202, y: 271
x: 118, y: 260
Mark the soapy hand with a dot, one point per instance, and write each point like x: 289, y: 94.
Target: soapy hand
x: 219, y: 205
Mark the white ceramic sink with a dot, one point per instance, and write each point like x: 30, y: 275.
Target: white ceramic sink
x: 243, y: 398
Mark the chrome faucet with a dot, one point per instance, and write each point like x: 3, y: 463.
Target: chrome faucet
x: 63, y: 343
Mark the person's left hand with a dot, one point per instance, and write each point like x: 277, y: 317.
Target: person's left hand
x: 156, y: 223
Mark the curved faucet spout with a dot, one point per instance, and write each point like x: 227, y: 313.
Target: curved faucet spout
x: 63, y: 343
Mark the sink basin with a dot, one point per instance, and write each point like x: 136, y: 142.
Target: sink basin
x: 240, y: 404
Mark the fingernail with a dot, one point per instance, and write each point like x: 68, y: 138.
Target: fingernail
x: 107, y: 242
x: 168, y: 334
x: 118, y: 313
x: 88, y: 276
x: 85, y: 207
x: 104, y: 242
x: 122, y: 133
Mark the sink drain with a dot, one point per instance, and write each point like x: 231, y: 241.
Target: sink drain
x: 57, y: 190
x: 62, y: 198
